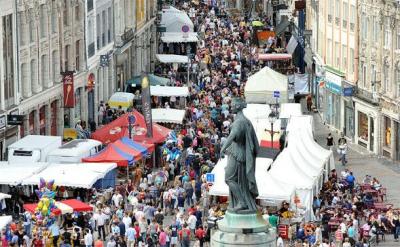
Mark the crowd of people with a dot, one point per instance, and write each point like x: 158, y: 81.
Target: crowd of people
x: 168, y: 205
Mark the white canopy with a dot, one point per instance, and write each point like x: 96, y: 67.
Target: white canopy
x: 261, y: 86
x: 166, y: 91
x: 4, y: 221
x: 174, y: 20
x: 163, y: 115
x: 257, y: 111
x: 290, y: 109
x: 179, y: 37
x: 269, y: 188
x: 81, y: 175
x: 14, y: 174
x: 171, y: 58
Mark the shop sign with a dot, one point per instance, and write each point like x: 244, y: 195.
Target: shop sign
x: 348, y: 91
x: 15, y: 119
x: 2, y: 121
x: 333, y: 82
x: 210, y: 177
x: 68, y: 85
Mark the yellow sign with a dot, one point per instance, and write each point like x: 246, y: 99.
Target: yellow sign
x: 70, y: 134
x: 145, y: 82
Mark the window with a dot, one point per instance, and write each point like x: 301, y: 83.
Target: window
x: 66, y: 13
x: 376, y: 29
x: 98, y: 31
x: 140, y: 11
x: 77, y: 12
x: 110, y: 25
x: 22, y: 30
x: 364, y: 74
x: 33, y: 72
x: 44, y: 71
x: 25, y: 80
x: 67, y: 57
x: 397, y: 76
x: 330, y: 9
x: 54, y: 20
x: 31, y: 30
x: 398, y: 39
x: 337, y: 54
x: 364, y: 27
x: 386, y: 79
x: 329, y: 52
x: 8, y: 58
x: 388, y: 131
x: 345, y: 15
x: 388, y: 33
x: 91, y: 48
x: 353, y: 14
x: 373, y: 78
x: 344, y: 57
x: 363, y: 126
x: 43, y: 21
x: 55, y: 60
x: 351, y: 69
x: 89, y: 5
x: 77, y: 54
x: 337, y: 12
x: 104, y: 28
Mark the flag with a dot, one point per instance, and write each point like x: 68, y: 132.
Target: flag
x: 146, y: 102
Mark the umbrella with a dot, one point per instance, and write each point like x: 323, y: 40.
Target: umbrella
x: 257, y: 24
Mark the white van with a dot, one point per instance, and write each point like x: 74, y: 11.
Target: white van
x: 32, y: 148
x: 74, y: 151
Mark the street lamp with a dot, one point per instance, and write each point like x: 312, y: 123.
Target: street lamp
x: 272, y: 118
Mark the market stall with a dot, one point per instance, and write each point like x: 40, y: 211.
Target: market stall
x: 113, y: 153
x: 81, y: 175
x: 63, y: 207
x: 120, y: 128
x: 14, y: 174
x: 163, y: 115
x: 287, y: 110
x: 166, y: 91
x: 125, y: 100
x: 172, y: 58
x: 266, y: 86
x: 271, y: 190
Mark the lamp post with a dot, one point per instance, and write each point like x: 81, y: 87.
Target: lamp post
x: 272, y: 118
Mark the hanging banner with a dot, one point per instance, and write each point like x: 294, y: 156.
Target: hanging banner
x: 68, y: 84
x: 146, y: 102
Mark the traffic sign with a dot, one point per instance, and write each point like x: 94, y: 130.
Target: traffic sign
x: 210, y: 177
x: 185, y: 28
x: 131, y: 119
x: 277, y: 94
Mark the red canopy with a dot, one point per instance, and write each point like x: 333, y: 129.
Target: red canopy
x: 111, y: 154
x: 119, y: 128
x: 65, y: 206
x: 126, y: 149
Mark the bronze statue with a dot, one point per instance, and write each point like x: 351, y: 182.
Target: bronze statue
x: 241, y: 147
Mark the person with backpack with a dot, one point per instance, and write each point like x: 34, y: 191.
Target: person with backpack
x: 200, y: 235
x: 184, y: 236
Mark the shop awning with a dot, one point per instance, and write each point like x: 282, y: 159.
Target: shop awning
x: 113, y: 153
x: 257, y: 24
x: 154, y: 80
x: 120, y: 128
x: 14, y: 174
x: 174, y: 20
x: 80, y: 175
x: 171, y: 58
x: 274, y: 57
x: 63, y: 207
x: 142, y: 147
x: 172, y: 37
x: 163, y: 115
x: 165, y: 91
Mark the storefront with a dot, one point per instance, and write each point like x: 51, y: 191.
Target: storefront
x: 348, y: 91
x: 42, y: 120
x: 366, y: 125
x: 390, y: 131
x: 387, y: 136
x: 333, y: 99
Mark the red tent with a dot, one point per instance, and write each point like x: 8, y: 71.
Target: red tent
x: 126, y: 149
x: 120, y: 128
x: 111, y: 154
x: 63, y: 207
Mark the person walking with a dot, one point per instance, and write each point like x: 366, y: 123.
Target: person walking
x: 396, y: 227
x: 342, y: 150
x: 130, y: 235
x: 329, y: 141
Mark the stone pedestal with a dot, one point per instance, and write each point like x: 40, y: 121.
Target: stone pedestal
x: 243, y: 230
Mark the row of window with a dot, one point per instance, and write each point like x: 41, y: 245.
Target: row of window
x: 342, y: 12
x: 338, y: 55
x: 376, y: 31
x: 386, y: 85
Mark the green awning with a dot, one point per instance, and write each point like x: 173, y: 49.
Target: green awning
x: 257, y: 24
x: 154, y: 80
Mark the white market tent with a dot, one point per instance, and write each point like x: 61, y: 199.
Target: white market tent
x: 81, y: 175
x: 175, y: 37
x: 4, y: 196
x: 291, y: 171
x: 290, y: 109
x: 269, y: 188
x: 174, y: 19
x: 171, y: 58
x: 163, y: 115
x: 166, y: 91
x: 261, y: 86
x: 257, y: 111
x: 4, y: 221
x: 14, y: 174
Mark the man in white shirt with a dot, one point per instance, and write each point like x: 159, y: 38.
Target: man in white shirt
x: 88, y: 238
x: 127, y: 220
x: 100, y: 221
x: 192, y: 223
x: 117, y: 199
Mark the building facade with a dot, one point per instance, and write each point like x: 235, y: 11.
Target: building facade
x: 334, y: 44
x: 8, y: 73
x: 379, y: 85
